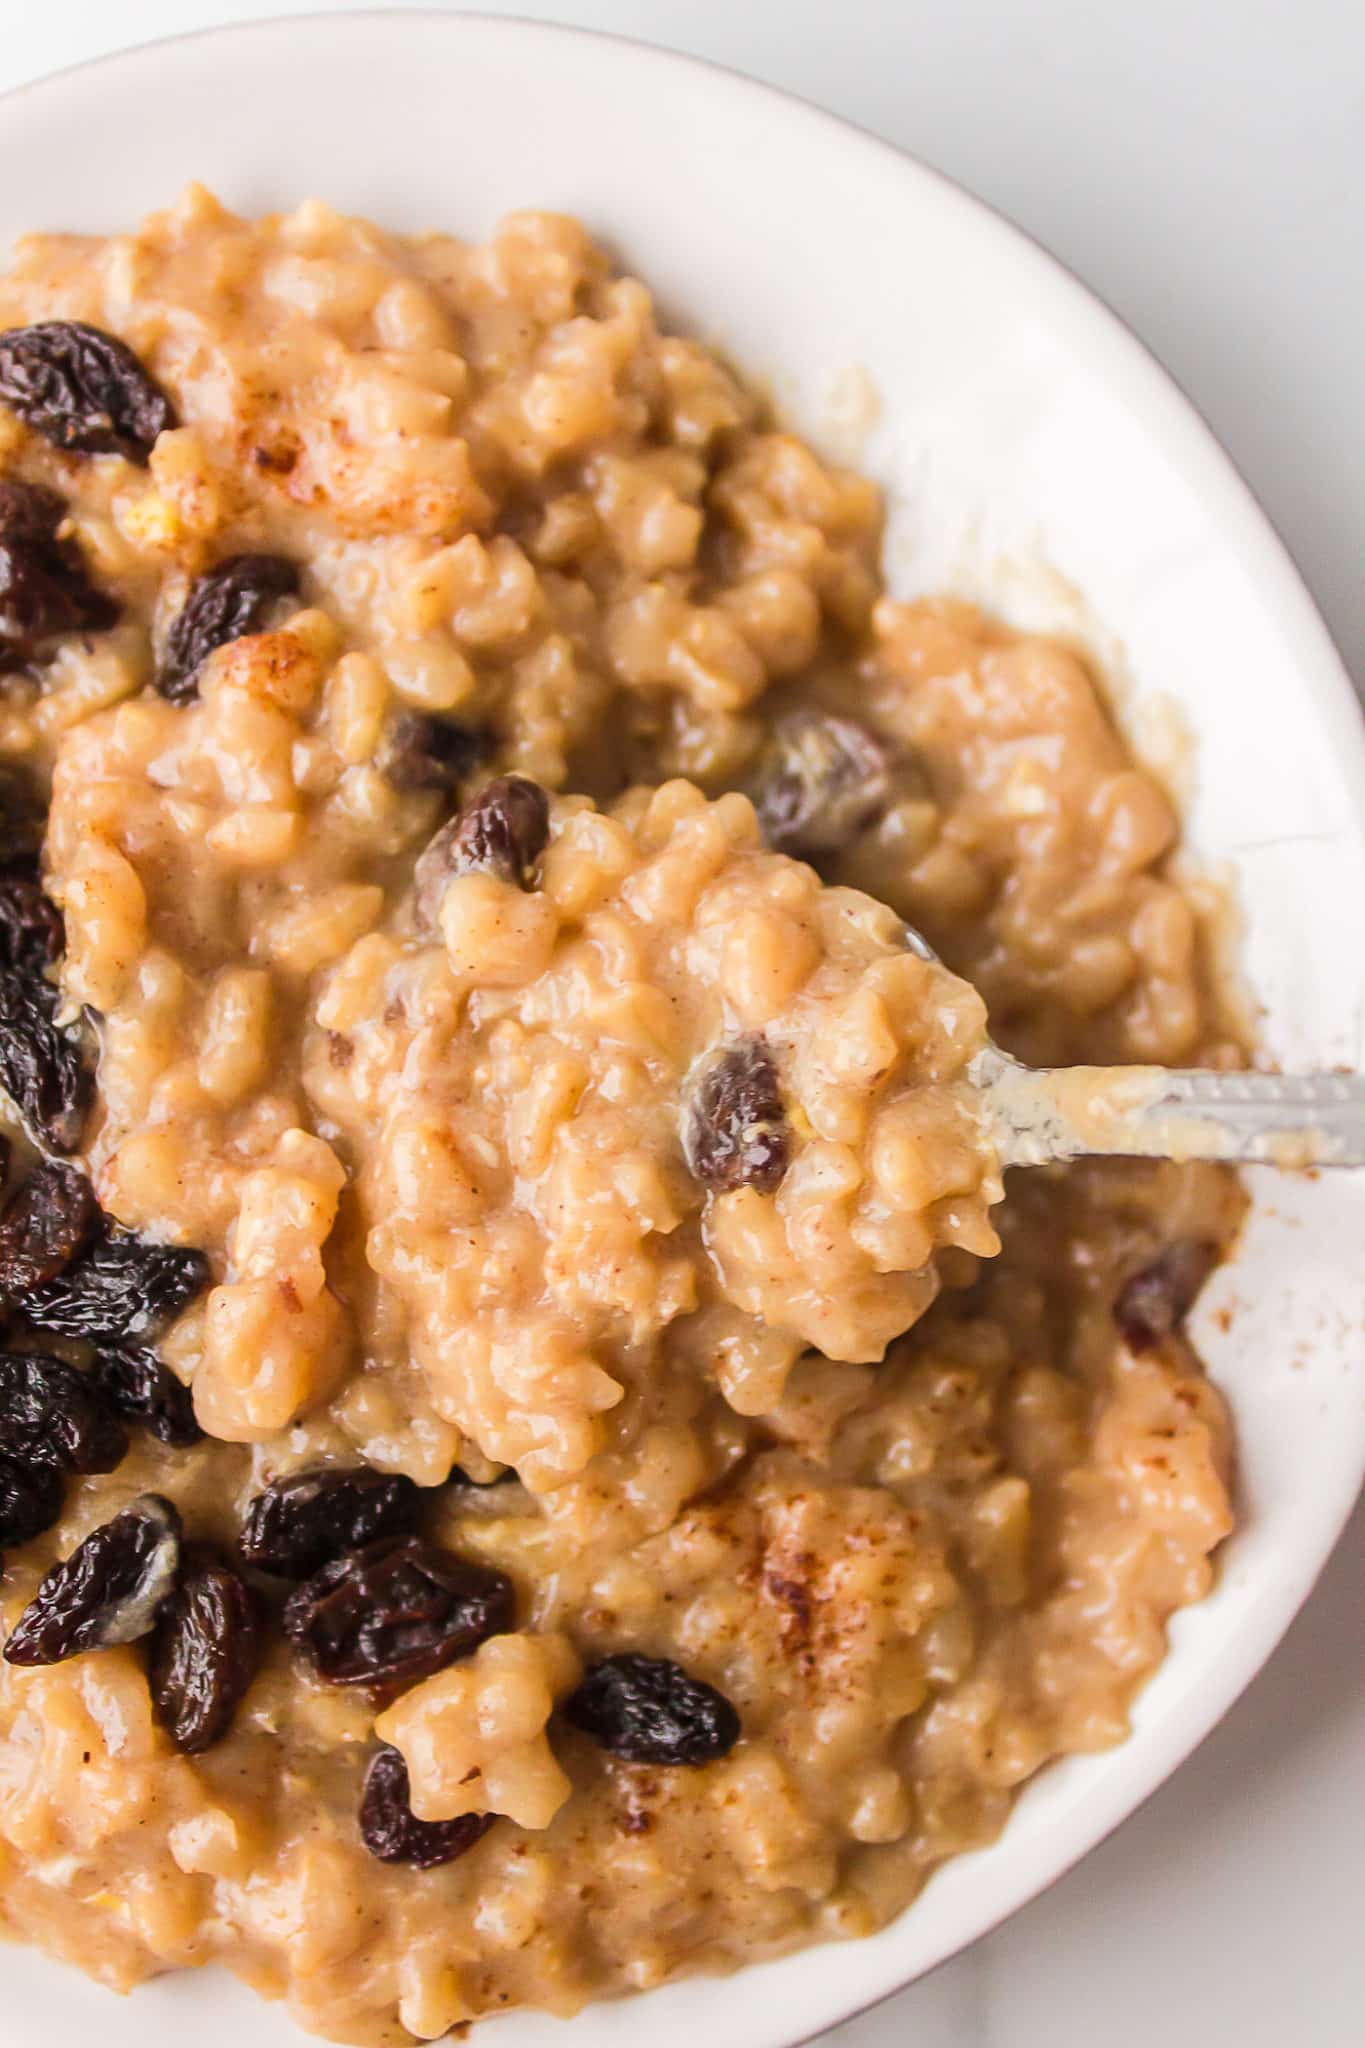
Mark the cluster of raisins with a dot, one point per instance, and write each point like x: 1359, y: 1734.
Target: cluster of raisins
x: 66, y: 1270
x: 44, y: 1068
x: 134, y: 1578
x: 85, y: 391
x: 372, y: 1603
x: 398, y: 1609
x: 118, y: 1289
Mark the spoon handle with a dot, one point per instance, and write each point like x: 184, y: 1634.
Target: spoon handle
x: 1170, y: 1113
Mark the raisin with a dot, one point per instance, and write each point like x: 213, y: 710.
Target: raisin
x: 501, y: 831
x: 1154, y: 1302
x: 648, y: 1710
x: 43, y: 1068
x: 22, y: 818
x: 223, y: 604
x: 31, y: 1496
x: 301, y: 1523
x: 141, y: 1388
x: 735, y: 1129
x: 30, y: 515
x: 49, y: 1221
x: 205, y: 1653
x: 391, y: 1830
x: 45, y: 589
x: 395, y: 1612
x: 82, y: 389
x: 53, y: 1413
x: 108, y: 1591
x: 820, y: 780
x: 32, y: 937
x: 122, y: 1288
x: 431, y: 753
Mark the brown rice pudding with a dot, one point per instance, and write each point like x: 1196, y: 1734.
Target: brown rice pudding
x: 533, y: 1455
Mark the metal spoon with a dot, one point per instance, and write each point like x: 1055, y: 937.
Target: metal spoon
x: 1037, y: 1114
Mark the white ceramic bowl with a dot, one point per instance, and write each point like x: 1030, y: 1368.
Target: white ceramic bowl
x: 1031, y: 450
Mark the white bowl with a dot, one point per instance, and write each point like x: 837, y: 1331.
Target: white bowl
x: 1031, y: 450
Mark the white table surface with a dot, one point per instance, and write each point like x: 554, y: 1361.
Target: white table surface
x: 1201, y: 163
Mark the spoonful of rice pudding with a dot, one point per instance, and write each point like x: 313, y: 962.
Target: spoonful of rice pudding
x: 667, y: 1019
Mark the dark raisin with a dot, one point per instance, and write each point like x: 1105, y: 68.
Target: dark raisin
x: 431, y: 753
x: 501, y: 831
x: 108, y: 1591
x: 82, y: 389
x: 820, y: 780
x: 391, y: 1830
x: 49, y: 1221
x: 30, y: 514
x: 205, y: 1653
x: 45, y: 589
x: 140, y: 1387
x: 395, y: 1612
x: 650, y: 1711
x: 31, y: 1496
x: 31, y: 935
x: 223, y: 604
x: 22, y: 816
x: 301, y: 1523
x: 43, y: 1067
x: 1154, y: 1302
x: 52, y: 1412
x: 119, y: 1290
x: 735, y: 1129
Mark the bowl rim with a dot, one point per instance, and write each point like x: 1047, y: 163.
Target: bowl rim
x: 1170, y: 414
x: 1160, y: 381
